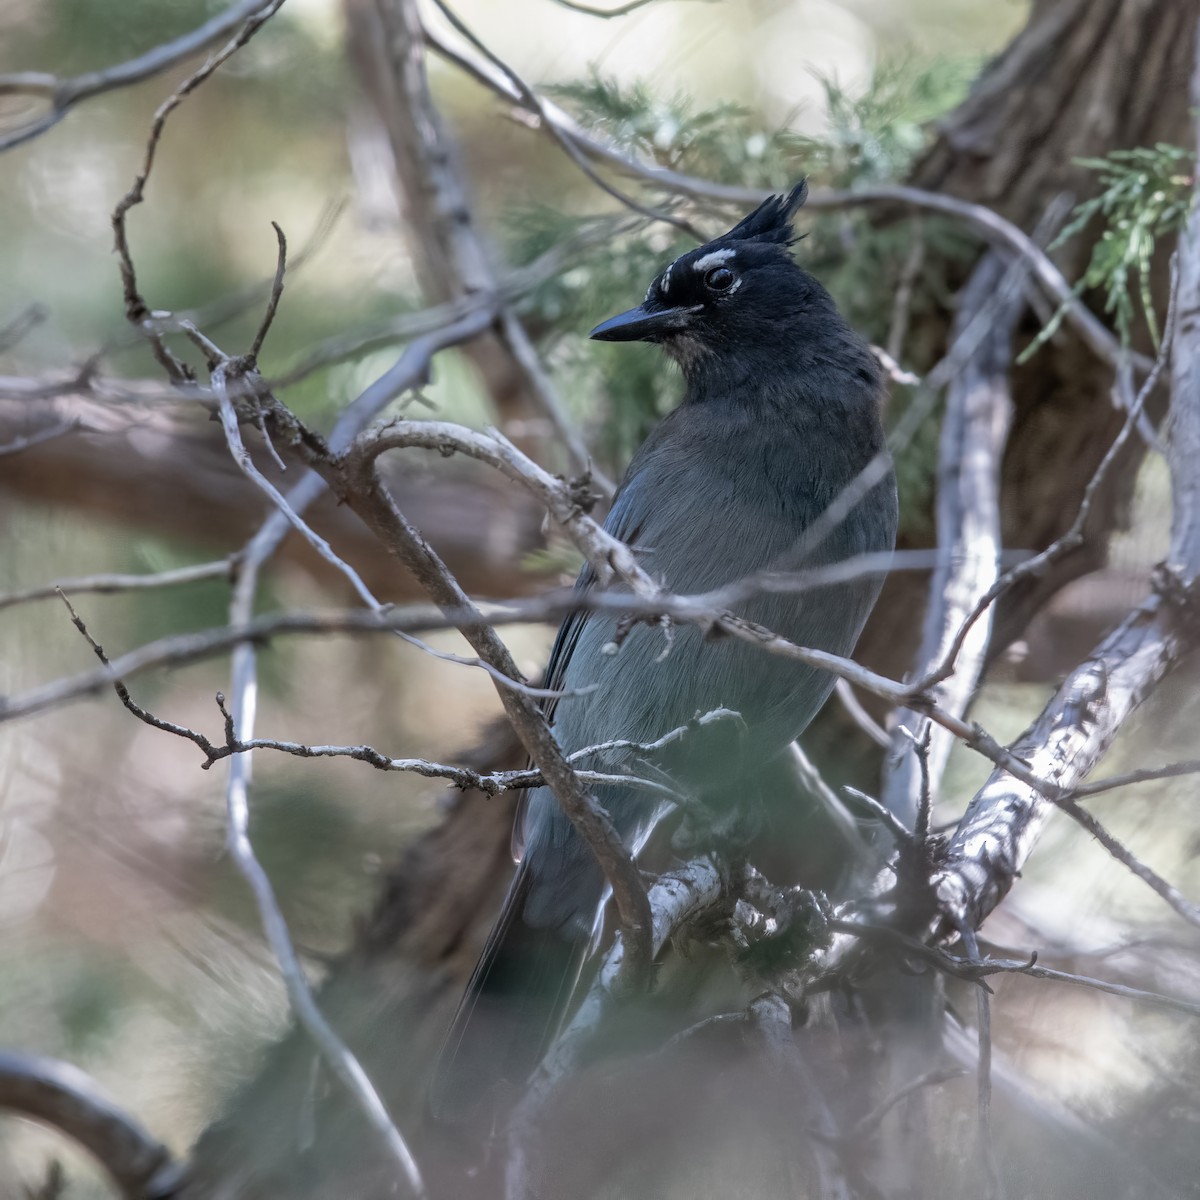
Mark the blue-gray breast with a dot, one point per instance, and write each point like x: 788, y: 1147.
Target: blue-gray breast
x: 780, y: 416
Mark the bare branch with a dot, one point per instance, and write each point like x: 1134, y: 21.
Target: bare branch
x: 974, y: 432
x: 509, y: 288
x: 23, y: 323
x: 1189, y: 766
x: 868, y: 1123
x: 229, y: 422
x: 1187, y: 909
x: 17, y: 445
x: 984, y: 1025
x: 1034, y: 969
x: 136, y: 310
x: 524, y: 351
x: 240, y: 718
x: 566, y: 503
x: 604, y: 13
x: 975, y: 969
x: 457, y: 261
x: 62, y: 1096
x: 994, y: 229
x: 1006, y: 817
x: 357, y: 477
x: 902, y: 305
x: 122, y: 691
x: 1074, y: 537
x: 530, y: 99
x: 491, y: 783
x: 240, y: 727
x: 858, y: 714
x: 276, y: 292
x: 900, y: 832
x: 64, y: 94
x: 110, y: 584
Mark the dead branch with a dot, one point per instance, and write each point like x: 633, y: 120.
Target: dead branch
x: 389, y: 37
x: 357, y: 479
x: 64, y: 94
x: 974, y: 431
x: 532, y: 101
x: 136, y: 310
x: 65, y: 1098
x: 21, y: 444
x: 1003, y: 821
x: 994, y: 229
x: 23, y: 323
x: 113, y: 584
x: 1075, y: 536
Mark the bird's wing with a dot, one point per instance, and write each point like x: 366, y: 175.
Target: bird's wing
x: 624, y: 521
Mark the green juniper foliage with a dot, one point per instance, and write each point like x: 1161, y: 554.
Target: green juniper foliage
x: 1146, y: 196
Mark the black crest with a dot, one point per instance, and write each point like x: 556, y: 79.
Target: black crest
x: 771, y: 221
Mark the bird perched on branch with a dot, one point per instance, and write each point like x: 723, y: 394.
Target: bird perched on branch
x: 779, y: 422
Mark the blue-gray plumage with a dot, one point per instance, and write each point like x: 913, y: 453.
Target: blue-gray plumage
x: 779, y: 416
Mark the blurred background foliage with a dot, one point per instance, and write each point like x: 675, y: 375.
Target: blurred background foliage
x: 127, y: 944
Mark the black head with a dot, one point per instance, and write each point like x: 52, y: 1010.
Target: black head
x: 739, y: 292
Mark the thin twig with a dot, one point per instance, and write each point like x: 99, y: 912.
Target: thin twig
x: 64, y: 94
x: 604, y: 13
x: 22, y: 324
x: 509, y: 288
x: 858, y: 714
x: 1187, y: 909
x: 491, y: 783
x: 136, y: 310
x: 1034, y: 969
x: 989, y: 225
x: 867, y: 1124
x: 979, y: 969
x: 899, y: 831
x: 524, y: 351
x: 987, y: 1148
x: 276, y: 292
x: 184, y: 648
x: 534, y: 103
x: 905, y: 285
x: 109, y: 584
x: 17, y: 445
x: 210, y: 751
x: 1190, y: 766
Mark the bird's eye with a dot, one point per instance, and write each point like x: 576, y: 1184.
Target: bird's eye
x: 719, y: 279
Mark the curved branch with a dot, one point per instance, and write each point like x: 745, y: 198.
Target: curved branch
x: 64, y: 94
x: 64, y: 1097
x: 994, y: 229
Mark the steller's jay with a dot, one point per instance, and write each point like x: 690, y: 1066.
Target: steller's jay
x: 779, y: 417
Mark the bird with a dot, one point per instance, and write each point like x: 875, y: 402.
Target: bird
x: 780, y: 417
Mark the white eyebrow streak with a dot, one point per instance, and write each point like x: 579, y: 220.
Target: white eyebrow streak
x: 665, y: 286
x: 713, y: 259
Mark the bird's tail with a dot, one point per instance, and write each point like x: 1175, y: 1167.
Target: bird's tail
x: 511, y: 1011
